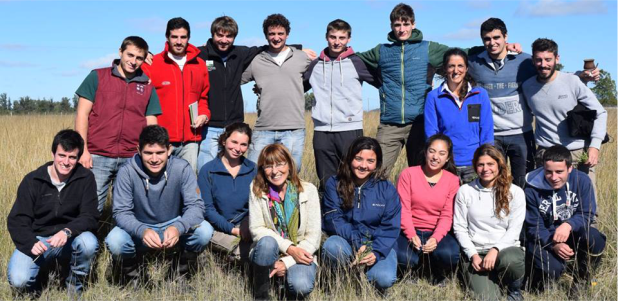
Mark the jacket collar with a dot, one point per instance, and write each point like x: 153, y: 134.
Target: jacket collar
x: 490, y: 62
x: 78, y: 172
x: 211, y: 48
x: 192, y: 53
x: 348, y: 52
x: 139, y: 77
x: 246, y: 166
x: 444, y: 91
x: 415, y: 37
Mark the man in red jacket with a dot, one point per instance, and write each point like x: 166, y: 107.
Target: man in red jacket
x: 181, y: 79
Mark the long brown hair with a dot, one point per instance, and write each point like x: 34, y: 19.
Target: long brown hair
x: 502, y: 195
x: 463, y: 91
x: 271, y: 155
x: 345, y: 175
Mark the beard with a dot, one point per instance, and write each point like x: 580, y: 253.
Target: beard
x: 551, y: 73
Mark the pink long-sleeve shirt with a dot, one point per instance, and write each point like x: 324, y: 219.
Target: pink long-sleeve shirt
x: 424, y: 207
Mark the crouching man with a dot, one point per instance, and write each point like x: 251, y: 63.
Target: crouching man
x: 561, y: 207
x: 53, y: 214
x: 157, y: 206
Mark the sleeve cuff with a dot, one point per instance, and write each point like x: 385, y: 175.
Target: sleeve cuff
x: 596, y: 143
x: 288, y: 261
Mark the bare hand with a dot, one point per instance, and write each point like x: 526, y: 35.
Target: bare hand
x: 86, y: 159
x: 58, y: 240
x: 201, y: 120
x: 476, y: 263
x: 590, y: 75
x: 38, y: 248
x: 515, y: 47
x: 490, y: 259
x: 563, y: 250
x: 170, y: 237
x: 256, y: 90
x: 300, y: 255
x: 430, y: 245
x: 236, y: 232
x: 151, y: 239
x: 311, y: 54
x: 593, y: 156
x: 369, y: 259
x: 416, y: 242
x: 148, y: 59
x: 562, y: 233
x: 278, y: 270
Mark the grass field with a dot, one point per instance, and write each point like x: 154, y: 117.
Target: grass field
x: 26, y: 145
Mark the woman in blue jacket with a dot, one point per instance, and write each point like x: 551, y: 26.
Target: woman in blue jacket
x: 362, y: 215
x: 224, y: 183
x: 461, y: 111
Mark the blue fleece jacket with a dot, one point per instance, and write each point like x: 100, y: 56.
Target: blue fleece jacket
x: 468, y: 127
x: 140, y: 199
x: 375, y: 217
x: 226, y: 198
x: 548, y: 208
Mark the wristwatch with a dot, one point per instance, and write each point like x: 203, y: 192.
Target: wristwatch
x: 67, y: 232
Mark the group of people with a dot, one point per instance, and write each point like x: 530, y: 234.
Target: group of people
x: 149, y: 128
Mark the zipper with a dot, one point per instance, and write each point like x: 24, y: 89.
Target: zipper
x: 331, y: 95
x: 403, y: 89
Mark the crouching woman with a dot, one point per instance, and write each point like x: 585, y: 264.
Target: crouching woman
x: 284, y: 220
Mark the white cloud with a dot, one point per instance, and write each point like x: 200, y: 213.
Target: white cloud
x: 104, y: 61
x: 545, y: 8
x: 463, y: 34
x: 252, y: 41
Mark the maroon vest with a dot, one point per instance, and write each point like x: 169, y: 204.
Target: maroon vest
x: 118, y: 114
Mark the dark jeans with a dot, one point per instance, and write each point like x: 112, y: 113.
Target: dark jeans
x: 520, y: 150
x: 329, y: 149
x: 443, y: 260
x: 416, y: 142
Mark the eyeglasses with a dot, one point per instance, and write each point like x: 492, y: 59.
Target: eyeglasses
x: 276, y: 165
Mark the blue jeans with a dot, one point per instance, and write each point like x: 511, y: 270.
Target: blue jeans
x: 443, y: 260
x: 79, y: 251
x: 300, y: 278
x: 520, y: 149
x: 336, y: 251
x: 105, y: 170
x: 209, y: 147
x: 123, y: 246
x: 187, y: 151
x: 293, y: 140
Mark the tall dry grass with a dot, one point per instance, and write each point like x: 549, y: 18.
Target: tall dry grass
x: 26, y: 145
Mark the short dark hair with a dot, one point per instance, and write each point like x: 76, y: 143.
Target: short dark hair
x: 135, y: 41
x: 240, y: 127
x: 224, y: 24
x: 177, y: 23
x: 154, y: 134
x: 544, y: 44
x: 339, y: 25
x: 491, y: 24
x: 70, y: 140
x: 276, y: 20
x: 404, y: 12
x: 558, y: 153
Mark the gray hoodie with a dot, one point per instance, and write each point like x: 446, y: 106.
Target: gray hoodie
x: 140, y: 200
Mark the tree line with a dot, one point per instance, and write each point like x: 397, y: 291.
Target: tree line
x: 604, y: 89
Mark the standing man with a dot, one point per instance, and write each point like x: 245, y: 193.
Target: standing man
x: 278, y: 75
x: 336, y: 78
x: 110, y: 119
x: 181, y: 79
x: 53, y: 217
x: 550, y: 96
x: 157, y: 206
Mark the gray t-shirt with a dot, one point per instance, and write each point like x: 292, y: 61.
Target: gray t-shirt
x: 59, y: 185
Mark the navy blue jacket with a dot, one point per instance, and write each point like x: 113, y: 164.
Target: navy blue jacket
x: 574, y: 204
x: 376, y: 215
x: 226, y: 198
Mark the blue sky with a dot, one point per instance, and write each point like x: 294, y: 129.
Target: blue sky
x: 48, y: 47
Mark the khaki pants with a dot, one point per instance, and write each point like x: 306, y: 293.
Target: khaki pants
x: 393, y: 138
x: 233, y: 246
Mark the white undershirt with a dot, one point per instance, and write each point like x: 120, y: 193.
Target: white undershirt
x: 59, y: 185
x: 180, y: 60
x: 280, y: 57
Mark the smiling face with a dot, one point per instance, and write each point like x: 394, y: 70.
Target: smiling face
x: 64, y: 162
x: 495, y: 43
x: 363, y: 165
x: 223, y: 40
x: 337, y: 42
x: 402, y: 29
x: 276, y: 36
x: 131, y: 59
x: 178, y: 40
x: 235, y: 146
x: 556, y: 173
x: 277, y: 173
x: 456, y: 70
x: 545, y: 63
x: 488, y: 170
x: 436, y: 155
x: 154, y: 158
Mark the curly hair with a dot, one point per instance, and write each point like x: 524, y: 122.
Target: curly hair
x: 270, y: 155
x: 502, y: 186
x: 276, y: 20
x: 345, y: 175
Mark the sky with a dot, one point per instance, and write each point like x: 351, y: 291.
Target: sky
x: 48, y: 47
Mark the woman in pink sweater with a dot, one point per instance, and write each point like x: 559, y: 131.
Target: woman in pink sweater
x: 427, y: 193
